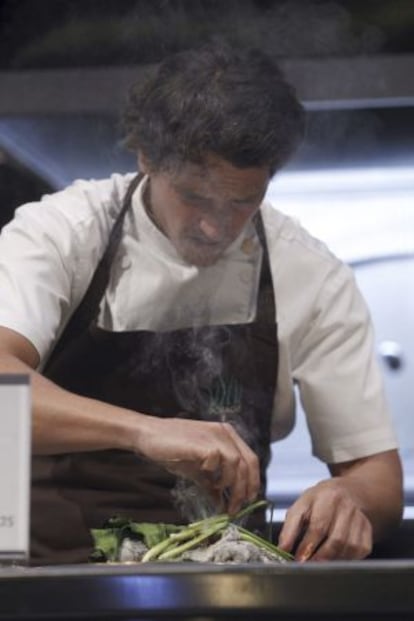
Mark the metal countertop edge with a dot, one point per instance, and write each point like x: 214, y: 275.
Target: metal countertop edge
x: 312, y: 588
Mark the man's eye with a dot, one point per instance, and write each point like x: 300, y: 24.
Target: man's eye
x: 193, y: 199
x: 244, y: 205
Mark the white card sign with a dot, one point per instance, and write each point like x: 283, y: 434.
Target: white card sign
x: 15, y: 454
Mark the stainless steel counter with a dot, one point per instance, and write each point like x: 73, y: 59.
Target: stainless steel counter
x: 340, y: 591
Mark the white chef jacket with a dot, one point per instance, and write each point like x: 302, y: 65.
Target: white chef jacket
x: 49, y: 252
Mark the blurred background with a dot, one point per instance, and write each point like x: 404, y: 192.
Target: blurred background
x: 65, y: 67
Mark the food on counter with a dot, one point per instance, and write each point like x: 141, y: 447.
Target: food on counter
x: 218, y: 539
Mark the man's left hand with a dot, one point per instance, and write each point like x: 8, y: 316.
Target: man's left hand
x: 342, y: 517
x: 326, y: 524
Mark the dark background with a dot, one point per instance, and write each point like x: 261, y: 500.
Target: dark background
x: 66, y: 35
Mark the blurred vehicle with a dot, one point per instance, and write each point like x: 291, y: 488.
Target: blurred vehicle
x: 364, y: 214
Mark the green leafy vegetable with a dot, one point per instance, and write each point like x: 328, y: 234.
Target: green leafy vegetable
x: 108, y: 540
x: 166, y: 542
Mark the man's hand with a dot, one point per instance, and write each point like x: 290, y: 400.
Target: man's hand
x: 328, y: 525
x: 341, y: 518
x: 210, y: 453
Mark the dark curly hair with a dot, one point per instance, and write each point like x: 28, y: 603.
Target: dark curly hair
x: 234, y: 104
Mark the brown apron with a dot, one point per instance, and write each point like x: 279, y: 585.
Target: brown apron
x: 222, y: 372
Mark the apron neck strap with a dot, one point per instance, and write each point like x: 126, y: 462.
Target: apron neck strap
x: 86, y: 312
x: 266, y: 303
x: 88, y: 308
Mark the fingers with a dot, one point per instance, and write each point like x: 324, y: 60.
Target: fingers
x: 210, y: 453
x: 314, y: 536
x: 292, y: 527
x: 247, y: 483
x: 238, y: 494
x: 350, y: 538
x: 235, y: 468
x: 326, y: 524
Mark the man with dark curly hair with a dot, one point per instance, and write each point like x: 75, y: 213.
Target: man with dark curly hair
x: 164, y: 318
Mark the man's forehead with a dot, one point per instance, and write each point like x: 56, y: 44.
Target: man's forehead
x: 212, y: 166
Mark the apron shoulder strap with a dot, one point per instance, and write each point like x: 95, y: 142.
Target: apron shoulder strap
x: 266, y: 302
x: 88, y: 308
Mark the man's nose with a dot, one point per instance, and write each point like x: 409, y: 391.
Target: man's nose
x: 212, y: 230
x: 215, y: 226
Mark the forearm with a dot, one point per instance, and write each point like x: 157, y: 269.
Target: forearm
x: 375, y: 483
x: 65, y: 422
x: 209, y: 453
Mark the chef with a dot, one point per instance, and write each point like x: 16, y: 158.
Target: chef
x: 165, y: 316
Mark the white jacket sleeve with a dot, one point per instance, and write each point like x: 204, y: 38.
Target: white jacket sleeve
x: 340, y: 383
x: 48, y: 254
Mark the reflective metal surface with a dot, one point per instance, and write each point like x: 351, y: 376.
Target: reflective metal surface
x: 335, y: 590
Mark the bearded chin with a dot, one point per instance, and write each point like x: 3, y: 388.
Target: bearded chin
x: 198, y: 256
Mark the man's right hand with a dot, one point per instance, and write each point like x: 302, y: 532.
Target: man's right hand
x: 210, y: 453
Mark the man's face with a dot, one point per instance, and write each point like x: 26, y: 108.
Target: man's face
x: 202, y: 208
